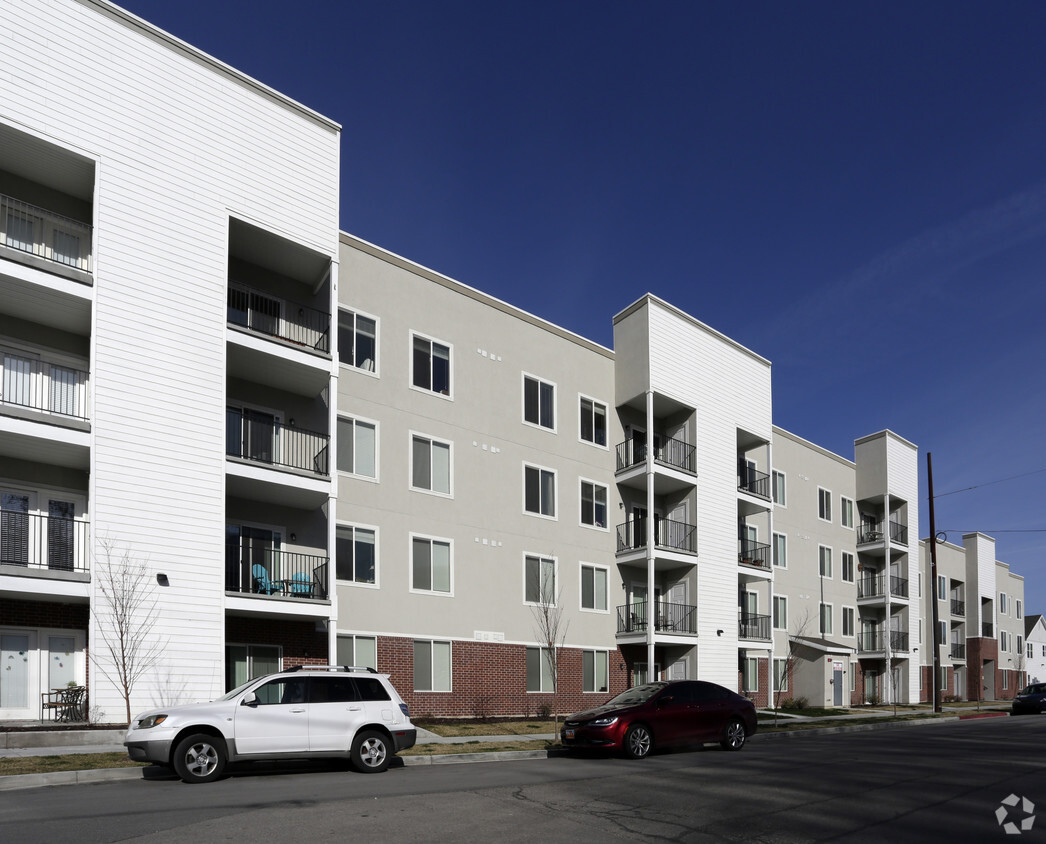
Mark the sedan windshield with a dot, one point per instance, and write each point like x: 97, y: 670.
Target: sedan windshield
x: 636, y: 695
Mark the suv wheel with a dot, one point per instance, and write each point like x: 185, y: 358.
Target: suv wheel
x: 199, y: 758
x: 370, y: 752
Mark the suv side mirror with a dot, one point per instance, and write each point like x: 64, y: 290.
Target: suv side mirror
x: 249, y: 699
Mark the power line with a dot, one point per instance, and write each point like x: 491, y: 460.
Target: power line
x: 986, y: 530
x: 989, y: 483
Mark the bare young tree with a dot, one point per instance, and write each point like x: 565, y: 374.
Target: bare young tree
x: 126, y: 618
x: 791, y: 658
x: 552, y: 633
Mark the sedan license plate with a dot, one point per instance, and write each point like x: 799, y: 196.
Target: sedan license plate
x: 568, y: 734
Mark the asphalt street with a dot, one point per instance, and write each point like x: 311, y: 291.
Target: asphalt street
x: 939, y: 782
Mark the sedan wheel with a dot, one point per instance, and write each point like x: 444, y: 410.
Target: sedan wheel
x: 735, y: 736
x: 638, y: 741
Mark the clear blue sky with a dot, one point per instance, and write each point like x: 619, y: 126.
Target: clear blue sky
x: 856, y: 191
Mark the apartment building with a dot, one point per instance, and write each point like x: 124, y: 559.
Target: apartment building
x: 159, y: 213
x: 981, y: 626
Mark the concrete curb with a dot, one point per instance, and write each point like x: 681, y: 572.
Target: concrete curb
x: 68, y: 778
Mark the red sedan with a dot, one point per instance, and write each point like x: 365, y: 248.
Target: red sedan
x: 664, y: 714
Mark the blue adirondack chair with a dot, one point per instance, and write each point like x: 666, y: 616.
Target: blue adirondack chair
x: 300, y: 585
x: 262, y: 583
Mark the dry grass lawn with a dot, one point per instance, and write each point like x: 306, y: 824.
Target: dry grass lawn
x: 15, y: 765
x: 493, y: 728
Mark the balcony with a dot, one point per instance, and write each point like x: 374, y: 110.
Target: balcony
x: 958, y: 607
x: 754, y: 627
x: 899, y: 640
x: 280, y: 319
x: 898, y: 587
x: 755, y: 554
x: 44, y: 234
x: 260, y: 438
x: 958, y: 650
x: 871, y: 642
x: 671, y: 618
x: 673, y: 453
x: 668, y: 536
x: 869, y: 532
x: 898, y: 533
x: 986, y: 629
x: 753, y: 482
x: 31, y: 384
x: 279, y: 574
x: 32, y: 541
x: 875, y: 587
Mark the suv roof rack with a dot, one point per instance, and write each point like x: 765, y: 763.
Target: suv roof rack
x: 366, y: 668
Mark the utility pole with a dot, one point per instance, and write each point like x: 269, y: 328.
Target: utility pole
x: 933, y: 587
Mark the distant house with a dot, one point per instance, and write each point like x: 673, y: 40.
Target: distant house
x: 1035, y: 648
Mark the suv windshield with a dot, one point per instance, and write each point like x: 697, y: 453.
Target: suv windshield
x: 237, y: 690
x: 636, y: 695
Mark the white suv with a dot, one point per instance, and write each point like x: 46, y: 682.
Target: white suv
x: 305, y: 712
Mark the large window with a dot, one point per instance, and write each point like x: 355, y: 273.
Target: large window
x: 780, y: 550
x: 781, y: 675
x: 824, y: 558
x: 826, y: 619
x: 355, y: 556
x: 430, y: 565
x: 848, y: 566
x: 594, y: 671
x: 847, y: 506
x: 1019, y: 606
x: 431, y: 364
x: 539, y: 576
x: 430, y: 465
x: 539, y: 491
x: 357, y: 447
x: 539, y: 670
x: 358, y: 650
x: 1004, y: 608
x: 824, y: 504
x: 539, y: 402
x: 245, y: 662
x: 432, y: 666
x: 751, y: 675
x: 593, y: 588
x: 848, y: 621
x: 593, y: 421
x: 780, y: 612
x: 593, y: 504
x: 357, y: 341
x: 777, y: 485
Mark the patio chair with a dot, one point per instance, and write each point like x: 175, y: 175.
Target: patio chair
x: 262, y: 584
x: 299, y: 585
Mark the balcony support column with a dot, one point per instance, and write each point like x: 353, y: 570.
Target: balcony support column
x: 650, y: 537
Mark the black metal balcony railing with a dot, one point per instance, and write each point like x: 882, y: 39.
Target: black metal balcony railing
x: 871, y: 587
x: 958, y: 650
x: 671, y: 618
x: 870, y: 642
x: 898, y: 586
x: 269, y: 571
x: 258, y: 437
x: 755, y: 554
x: 36, y: 385
x: 37, y: 541
x: 958, y: 607
x: 668, y: 534
x: 45, y: 234
x: 279, y: 318
x: 668, y: 452
x: 754, y: 482
x: 754, y: 627
x: 869, y: 532
x: 986, y: 629
x: 899, y: 533
x: 898, y: 640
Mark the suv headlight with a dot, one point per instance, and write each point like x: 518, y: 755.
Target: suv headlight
x: 151, y: 721
x: 605, y: 721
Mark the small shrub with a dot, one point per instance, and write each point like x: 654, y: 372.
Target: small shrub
x: 795, y: 703
x: 545, y: 711
x: 481, y: 707
x: 872, y: 700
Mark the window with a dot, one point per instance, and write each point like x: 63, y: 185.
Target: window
x: 1004, y: 641
x: 593, y: 504
x: 539, y: 491
x: 1019, y: 604
x: 826, y: 619
x: 593, y: 421
x: 919, y: 583
x: 848, y: 621
x: 824, y: 558
x: 780, y: 612
x: 285, y: 690
x: 942, y: 633
x: 824, y: 504
x: 1031, y: 651
x: 1020, y: 645
x: 751, y: 678
x: 848, y: 567
x: 780, y: 551
x: 539, y: 580
x: 593, y: 588
x: 920, y: 631
x: 539, y: 403
x: 853, y: 677
x: 777, y: 483
x: 431, y: 364
x: 847, y: 506
x: 430, y: 565
x: 1003, y: 607
x: 357, y: 341
x: 942, y: 588
x: 357, y: 447
x: 1005, y: 679
x: 781, y: 675
x: 594, y: 671
x: 355, y: 557
x: 431, y: 666
x: 430, y: 465
x: 539, y: 670
x: 358, y: 650
x: 245, y: 662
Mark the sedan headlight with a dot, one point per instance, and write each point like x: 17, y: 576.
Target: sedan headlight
x: 151, y: 721
x: 606, y: 721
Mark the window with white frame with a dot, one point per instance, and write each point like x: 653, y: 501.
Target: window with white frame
x: 848, y: 621
x: 942, y: 633
x: 1031, y: 650
x: 826, y: 619
x: 430, y: 565
x: 1005, y: 679
x: 847, y: 566
x: 539, y: 402
x: 593, y: 421
x: 595, y: 671
x: 777, y: 486
x: 539, y: 491
x: 539, y: 670
x: 846, y: 505
x: 824, y: 504
x: 1019, y: 606
x: 751, y: 675
x: 824, y: 559
x: 942, y: 588
x: 781, y: 675
x: 358, y: 650
x: 431, y: 365
x: 432, y: 666
x: 852, y: 668
x: 1020, y: 645
x: 357, y: 341
x: 430, y: 464
x: 1004, y: 641
x: 593, y: 504
x: 357, y: 447
x: 780, y: 612
x: 356, y: 559
x: 539, y: 580
x: 593, y: 588
x: 780, y: 551
x: 920, y: 631
x: 919, y: 583
x: 1003, y: 604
